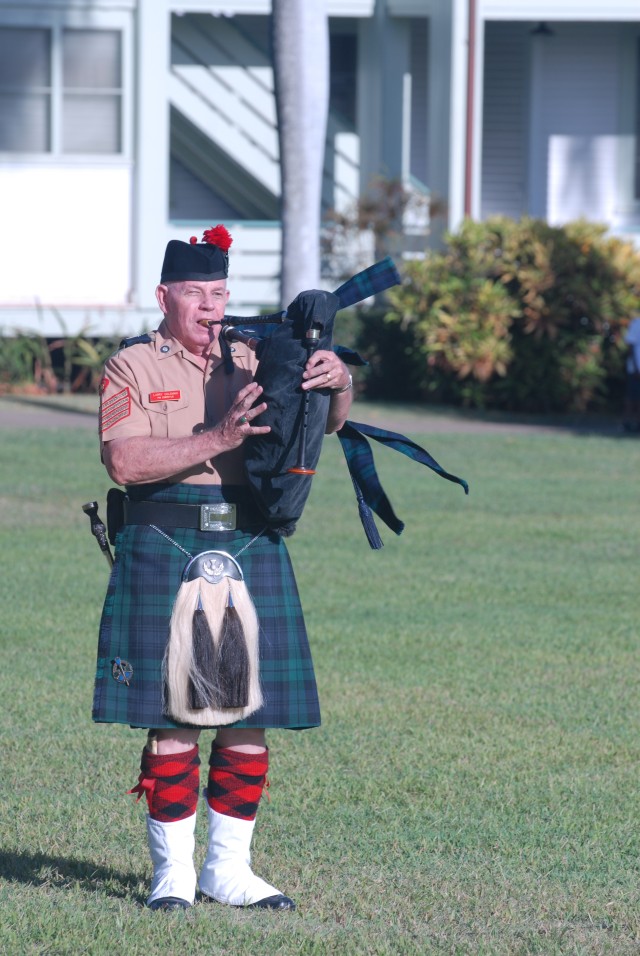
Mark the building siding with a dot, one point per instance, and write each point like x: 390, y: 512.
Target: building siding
x: 506, y: 96
x: 575, y: 127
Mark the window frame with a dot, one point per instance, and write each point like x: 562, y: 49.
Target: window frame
x: 57, y: 22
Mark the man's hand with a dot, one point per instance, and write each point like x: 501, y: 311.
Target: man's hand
x: 325, y: 370
x: 237, y: 425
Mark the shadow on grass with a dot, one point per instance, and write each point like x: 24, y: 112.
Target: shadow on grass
x: 403, y: 416
x: 68, y: 405
x: 39, y: 869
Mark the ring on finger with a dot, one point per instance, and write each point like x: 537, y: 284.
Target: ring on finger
x: 243, y: 420
x: 328, y: 376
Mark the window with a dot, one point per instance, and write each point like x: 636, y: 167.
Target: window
x: 25, y: 90
x: 342, y: 76
x: 60, y: 90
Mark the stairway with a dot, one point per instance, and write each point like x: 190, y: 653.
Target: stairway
x: 224, y: 116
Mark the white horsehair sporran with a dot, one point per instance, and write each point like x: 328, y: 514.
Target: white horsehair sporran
x: 211, y: 667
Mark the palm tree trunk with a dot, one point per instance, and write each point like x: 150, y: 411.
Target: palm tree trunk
x: 300, y: 31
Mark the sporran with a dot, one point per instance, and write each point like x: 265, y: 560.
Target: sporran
x: 211, y: 664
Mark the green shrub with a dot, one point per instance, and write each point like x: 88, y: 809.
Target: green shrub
x: 518, y: 315
x: 21, y: 358
x: 69, y: 363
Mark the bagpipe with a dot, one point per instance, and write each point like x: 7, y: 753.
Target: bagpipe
x: 280, y: 465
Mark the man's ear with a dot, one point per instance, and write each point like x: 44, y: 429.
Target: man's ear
x: 161, y: 296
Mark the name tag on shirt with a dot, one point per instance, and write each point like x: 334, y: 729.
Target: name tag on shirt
x: 172, y: 396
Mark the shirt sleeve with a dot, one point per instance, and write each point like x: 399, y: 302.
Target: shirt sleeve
x: 121, y: 412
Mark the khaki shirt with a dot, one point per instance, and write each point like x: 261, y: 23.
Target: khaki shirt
x: 157, y: 389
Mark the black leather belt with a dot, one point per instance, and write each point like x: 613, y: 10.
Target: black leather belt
x: 215, y: 516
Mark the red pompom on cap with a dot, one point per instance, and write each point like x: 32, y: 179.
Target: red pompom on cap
x: 218, y: 236
x: 193, y: 240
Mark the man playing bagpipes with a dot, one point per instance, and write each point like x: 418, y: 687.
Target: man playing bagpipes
x: 202, y: 625
x: 215, y: 432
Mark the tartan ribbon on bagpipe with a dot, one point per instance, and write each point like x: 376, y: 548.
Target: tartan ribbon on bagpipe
x: 370, y: 494
x: 372, y: 280
x: 378, y: 277
x: 353, y: 435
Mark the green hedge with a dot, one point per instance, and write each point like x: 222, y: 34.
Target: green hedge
x: 514, y: 315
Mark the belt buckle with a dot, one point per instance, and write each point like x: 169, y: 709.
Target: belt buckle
x: 220, y: 516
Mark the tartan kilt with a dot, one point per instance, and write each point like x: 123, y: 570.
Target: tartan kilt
x: 134, y: 627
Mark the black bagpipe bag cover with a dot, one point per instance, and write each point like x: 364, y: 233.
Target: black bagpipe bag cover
x: 280, y: 495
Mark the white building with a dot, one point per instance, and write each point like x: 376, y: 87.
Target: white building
x: 124, y: 123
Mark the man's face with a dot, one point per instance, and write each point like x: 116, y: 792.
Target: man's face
x: 189, y: 306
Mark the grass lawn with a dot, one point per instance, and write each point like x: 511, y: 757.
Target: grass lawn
x: 473, y: 788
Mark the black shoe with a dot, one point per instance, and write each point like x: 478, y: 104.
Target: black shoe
x: 167, y: 903
x: 278, y: 902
